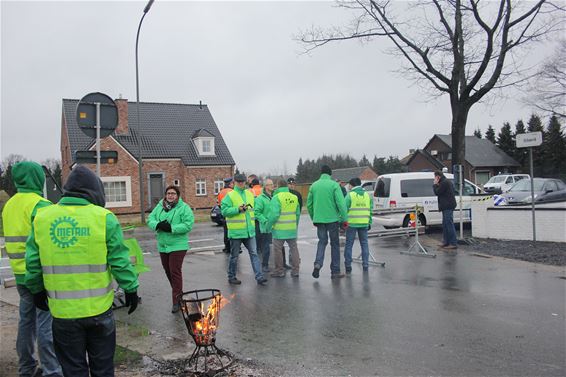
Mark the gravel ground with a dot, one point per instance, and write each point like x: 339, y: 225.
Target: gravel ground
x: 551, y: 253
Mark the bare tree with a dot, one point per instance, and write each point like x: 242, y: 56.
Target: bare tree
x: 458, y: 48
x: 547, y: 90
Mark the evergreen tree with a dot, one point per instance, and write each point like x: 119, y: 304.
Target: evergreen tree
x: 521, y: 154
x: 477, y: 133
x: 364, y: 161
x: 505, y: 139
x: 378, y: 165
x: 490, y: 134
x: 535, y: 125
x: 554, y: 150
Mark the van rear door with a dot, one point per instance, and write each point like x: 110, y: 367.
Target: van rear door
x: 381, y: 193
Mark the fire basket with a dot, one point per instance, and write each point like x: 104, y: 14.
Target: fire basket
x: 201, y: 312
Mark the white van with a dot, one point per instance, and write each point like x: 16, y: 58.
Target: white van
x: 403, y: 190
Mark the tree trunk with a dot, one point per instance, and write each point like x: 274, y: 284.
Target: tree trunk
x: 459, y: 120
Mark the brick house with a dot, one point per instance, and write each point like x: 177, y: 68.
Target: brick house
x: 182, y: 146
x: 364, y: 173
x: 483, y: 158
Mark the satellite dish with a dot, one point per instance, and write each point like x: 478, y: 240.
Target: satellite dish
x: 86, y: 114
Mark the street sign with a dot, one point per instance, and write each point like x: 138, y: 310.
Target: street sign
x: 89, y: 157
x: 86, y: 114
x: 531, y: 139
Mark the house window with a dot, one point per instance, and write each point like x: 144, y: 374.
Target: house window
x: 118, y: 191
x: 205, y: 146
x: 201, y: 187
x: 176, y: 182
x: 218, y: 186
x: 482, y: 177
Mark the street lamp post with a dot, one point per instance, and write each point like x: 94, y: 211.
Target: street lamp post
x: 140, y: 133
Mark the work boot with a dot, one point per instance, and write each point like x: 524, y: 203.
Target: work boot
x: 337, y: 275
x: 262, y: 281
x: 234, y: 281
x: 175, y: 308
x: 348, y: 270
x: 278, y: 275
x: 316, y: 272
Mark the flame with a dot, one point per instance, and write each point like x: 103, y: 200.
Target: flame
x: 204, y: 329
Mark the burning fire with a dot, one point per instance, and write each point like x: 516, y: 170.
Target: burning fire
x: 204, y: 321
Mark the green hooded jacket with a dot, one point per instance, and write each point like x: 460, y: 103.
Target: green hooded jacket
x: 181, y: 219
x: 230, y: 210
x: 325, y: 201
x: 360, y: 191
x: 28, y: 178
x: 261, y: 211
x: 274, y: 213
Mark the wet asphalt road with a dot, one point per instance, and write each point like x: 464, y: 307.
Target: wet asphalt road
x: 454, y: 315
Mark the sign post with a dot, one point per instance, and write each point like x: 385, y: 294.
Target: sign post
x: 530, y: 140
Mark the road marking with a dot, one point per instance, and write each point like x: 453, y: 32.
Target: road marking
x: 213, y: 247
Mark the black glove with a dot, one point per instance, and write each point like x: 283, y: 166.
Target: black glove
x: 132, y: 301
x: 164, y: 226
x: 40, y: 301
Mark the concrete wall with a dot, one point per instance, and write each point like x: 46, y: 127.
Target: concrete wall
x: 515, y: 222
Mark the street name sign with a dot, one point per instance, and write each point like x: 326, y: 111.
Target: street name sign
x: 531, y: 139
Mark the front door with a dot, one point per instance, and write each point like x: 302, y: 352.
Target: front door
x: 155, y: 188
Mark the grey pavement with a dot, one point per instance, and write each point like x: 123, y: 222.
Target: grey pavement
x: 455, y: 315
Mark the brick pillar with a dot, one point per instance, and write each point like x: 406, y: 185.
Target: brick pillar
x: 122, y: 105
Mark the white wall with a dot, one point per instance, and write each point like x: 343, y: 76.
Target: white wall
x: 515, y: 222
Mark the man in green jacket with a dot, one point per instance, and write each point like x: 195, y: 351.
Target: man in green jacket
x: 74, y: 249
x: 34, y: 323
x: 359, y: 204
x: 262, y: 230
x: 238, y: 210
x: 327, y: 209
x: 284, y: 215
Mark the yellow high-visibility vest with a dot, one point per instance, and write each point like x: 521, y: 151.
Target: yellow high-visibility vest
x: 73, y: 256
x: 16, y: 218
x: 359, y: 211
x: 288, y: 217
x: 238, y: 222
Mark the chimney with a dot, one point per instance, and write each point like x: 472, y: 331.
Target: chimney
x: 122, y: 105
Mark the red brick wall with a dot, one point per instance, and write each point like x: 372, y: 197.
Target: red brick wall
x: 65, y: 151
x: 209, y: 174
x: 420, y: 163
x: 368, y: 175
x: 122, y: 105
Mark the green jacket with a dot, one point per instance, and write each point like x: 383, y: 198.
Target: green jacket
x: 359, y: 190
x: 229, y: 210
x: 261, y: 211
x: 118, y: 254
x: 181, y: 219
x: 325, y: 201
x: 274, y: 213
x: 28, y: 178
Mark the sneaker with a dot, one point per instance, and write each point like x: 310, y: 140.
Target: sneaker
x: 450, y: 247
x: 295, y: 274
x: 316, y: 272
x: 262, y: 281
x: 287, y: 267
x: 337, y: 275
x: 348, y: 270
x: 265, y: 269
x: 234, y: 281
x: 278, y: 275
x: 175, y: 308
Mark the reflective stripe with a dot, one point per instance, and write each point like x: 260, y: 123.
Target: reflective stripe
x: 235, y: 221
x: 357, y: 217
x: 359, y: 209
x: 78, y: 269
x: 286, y: 221
x: 15, y: 238
x: 67, y: 295
x: 16, y: 255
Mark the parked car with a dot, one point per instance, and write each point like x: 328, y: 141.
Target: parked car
x: 216, y: 216
x: 520, y: 192
x: 557, y: 196
x: 502, y: 182
x: 404, y: 190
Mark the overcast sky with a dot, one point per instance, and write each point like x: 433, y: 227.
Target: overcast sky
x: 271, y: 103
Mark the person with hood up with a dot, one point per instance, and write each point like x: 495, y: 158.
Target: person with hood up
x: 327, y: 209
x: 172, y: 219
x: 74, y: 250
x: 34, y: 324
x: 359, y: 205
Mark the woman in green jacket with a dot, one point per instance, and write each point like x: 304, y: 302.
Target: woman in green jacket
x: 172, y: 219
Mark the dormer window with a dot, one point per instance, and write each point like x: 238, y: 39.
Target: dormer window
x: 204, y: 143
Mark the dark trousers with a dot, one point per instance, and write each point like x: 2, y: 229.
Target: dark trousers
x: 173, y: 265
x: 75, y: 338
x: 226, y: 239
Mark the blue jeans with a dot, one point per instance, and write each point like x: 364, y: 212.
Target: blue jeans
x: 324, y: 231
x: 448, y: 229
x: 264, y: 240
x: 35, y: 324
x: 95, y: 336
x: 249, y: 243
x: 350, y: 238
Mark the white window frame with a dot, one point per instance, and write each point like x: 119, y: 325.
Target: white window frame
x: 200, y: 187
x: 200, y: 141
x: 128, y: 182
x: 218, y: 186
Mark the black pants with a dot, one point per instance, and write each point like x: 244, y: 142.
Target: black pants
x: 226, y: 239
x: 75, y: 338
